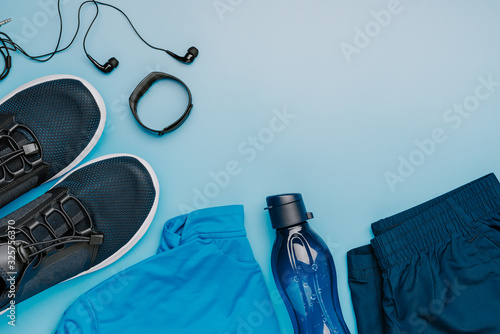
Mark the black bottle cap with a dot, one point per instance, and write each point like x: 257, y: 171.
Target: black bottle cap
x: 287, y: 210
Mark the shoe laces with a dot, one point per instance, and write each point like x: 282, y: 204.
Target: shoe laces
x: 27, y: 149
x: 30, y: 248
x: 94, y: 239
x: 10, y: 143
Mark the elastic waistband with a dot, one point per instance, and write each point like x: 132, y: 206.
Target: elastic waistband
x: 399, y: 237
x: 223, y: 221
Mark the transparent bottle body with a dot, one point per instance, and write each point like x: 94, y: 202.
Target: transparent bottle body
x: 304, y: 272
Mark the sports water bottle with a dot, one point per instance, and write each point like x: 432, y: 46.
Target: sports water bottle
x: 303, y: 269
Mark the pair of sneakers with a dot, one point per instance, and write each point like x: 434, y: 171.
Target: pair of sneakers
x: 91, y: 216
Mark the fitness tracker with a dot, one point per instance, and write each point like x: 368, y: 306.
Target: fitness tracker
x: 144, y: 86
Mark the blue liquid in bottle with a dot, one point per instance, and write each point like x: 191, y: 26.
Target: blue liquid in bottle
x: 303, y: 269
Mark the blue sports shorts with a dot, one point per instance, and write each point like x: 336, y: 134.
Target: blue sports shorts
x: 204, y: 279
x: 434, y: 268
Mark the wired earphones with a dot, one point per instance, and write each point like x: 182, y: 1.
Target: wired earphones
x: 7, y: 44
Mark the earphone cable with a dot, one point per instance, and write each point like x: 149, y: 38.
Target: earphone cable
x: 7, y: 44
x: 131, y: 25
x: 90, y: 26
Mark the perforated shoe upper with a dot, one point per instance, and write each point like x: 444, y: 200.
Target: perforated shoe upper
x: 63, y: 115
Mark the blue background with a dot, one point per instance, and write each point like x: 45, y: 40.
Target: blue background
x: 354, y: 121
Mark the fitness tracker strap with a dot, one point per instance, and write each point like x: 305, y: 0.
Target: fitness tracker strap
x: 144, y: 86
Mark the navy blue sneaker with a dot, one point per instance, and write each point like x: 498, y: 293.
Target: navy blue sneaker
x: 88, y: 220
x: 47, y: 127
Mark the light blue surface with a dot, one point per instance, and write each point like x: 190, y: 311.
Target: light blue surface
x: 352, y: 120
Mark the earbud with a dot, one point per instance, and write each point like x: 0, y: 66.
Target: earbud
x: 109, y: 66
x: 190, y: 56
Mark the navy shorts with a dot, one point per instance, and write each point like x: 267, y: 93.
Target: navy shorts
x: 434, y: 268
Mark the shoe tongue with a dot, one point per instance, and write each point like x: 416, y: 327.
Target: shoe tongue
x: 57, y: 222
x: 78, y: 215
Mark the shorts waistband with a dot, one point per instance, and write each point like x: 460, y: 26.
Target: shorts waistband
x: 474, y: 187
x: 399, y: 237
